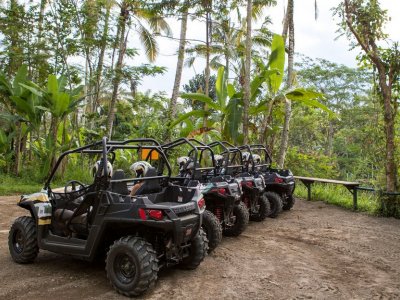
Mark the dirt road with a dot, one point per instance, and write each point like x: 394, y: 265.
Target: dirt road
x: 315, y: 251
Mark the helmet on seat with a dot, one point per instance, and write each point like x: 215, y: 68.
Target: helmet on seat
x: 99, y: 164
x: 256, y: 159
x: 140, y: 168
x: 219, y: 160
x: 245, y: 156
x: 185, y: 163
x: 182, y: 161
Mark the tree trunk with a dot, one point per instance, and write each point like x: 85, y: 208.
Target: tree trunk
x: 100, y: 63
x: 329, y: 146
x: 53, y: 134
x: 117, y: 77
x: 389, y: 120
x: 39, y: 72
x: 17, y: 149
x: 207, y: 73
x: 179, y: 65
x: 288, y: 103
x: 178, y: 73
x: 247, y: 67
x: 267, y: 121
x: 387, y: 73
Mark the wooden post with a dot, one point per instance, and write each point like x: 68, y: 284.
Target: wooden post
x: 355, y: 198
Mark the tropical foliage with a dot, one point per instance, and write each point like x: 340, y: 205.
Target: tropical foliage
x: 69, y: 74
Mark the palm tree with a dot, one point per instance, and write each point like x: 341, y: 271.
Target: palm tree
x: 247, y: 70
x: 179, y: 66
x: 289, y: 26
x: 134, y: 11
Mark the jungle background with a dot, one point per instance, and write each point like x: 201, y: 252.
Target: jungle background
x: 70, y: 74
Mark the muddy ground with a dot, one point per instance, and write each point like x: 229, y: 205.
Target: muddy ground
x: 314, y: 251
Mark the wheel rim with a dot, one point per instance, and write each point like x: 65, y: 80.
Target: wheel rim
x: 18, y: 241
x: 125, y: 268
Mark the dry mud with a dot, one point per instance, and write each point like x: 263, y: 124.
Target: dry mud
x: 314, y: 251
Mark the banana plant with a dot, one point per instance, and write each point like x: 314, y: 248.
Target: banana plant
x: 268, y: 82
x: 59, y: 102
x: 225, y: 113
x: 21, y: 113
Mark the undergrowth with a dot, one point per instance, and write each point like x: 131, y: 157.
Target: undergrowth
x: 338, y: 195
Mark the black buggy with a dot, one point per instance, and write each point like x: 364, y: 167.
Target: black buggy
x: 158, y: 226
x: 225, y: 213
x: 233, y: 165
x: 279, y: 183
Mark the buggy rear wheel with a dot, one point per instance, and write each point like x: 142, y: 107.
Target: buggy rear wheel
x: 263, y: 211
x: 289, y: 202
x: 275, y: 202
x: 197, y: 251
x: 22, y: 240
x: 213, y: 229
x: 131, y: 266
x: 241, y: 214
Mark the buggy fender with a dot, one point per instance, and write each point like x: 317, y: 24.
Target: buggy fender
x: 39, y: 206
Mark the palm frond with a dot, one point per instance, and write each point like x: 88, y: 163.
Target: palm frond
x: 149, y: 42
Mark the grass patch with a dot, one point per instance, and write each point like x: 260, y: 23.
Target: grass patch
x: 340, y: 196
x: 10, y: 185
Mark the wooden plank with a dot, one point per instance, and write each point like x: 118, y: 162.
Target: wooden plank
x: 324, y: 180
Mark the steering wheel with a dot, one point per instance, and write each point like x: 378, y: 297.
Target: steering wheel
x: 73, y: 184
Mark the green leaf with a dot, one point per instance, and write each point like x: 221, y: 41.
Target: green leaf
x: 4, y: 84
x: 61, y: 104
x: 309, y: 98
x: 149, y: 43
x: 233, y: 117
x: 254, y: 110
x: 187, y: 129
x: 42, y: 108
x: 22, y: 106
x: 52, y: 86
x: 193, y: 113
x: 231, y: 90
x: 202, y: 98
x: 277, y: 62
x: 62, y: 82
x: 32, y: 89
x: 20, y: 77
x: 220, y: 87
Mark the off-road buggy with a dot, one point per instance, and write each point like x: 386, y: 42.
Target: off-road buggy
x: 159, y: 226
x: 253, y: 187
x: 279, y: 182
x: 225, y: 214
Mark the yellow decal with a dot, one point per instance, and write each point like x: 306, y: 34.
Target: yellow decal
x: 44, y: 222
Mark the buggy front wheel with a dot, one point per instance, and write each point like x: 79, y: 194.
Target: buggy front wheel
x: 22, y: 240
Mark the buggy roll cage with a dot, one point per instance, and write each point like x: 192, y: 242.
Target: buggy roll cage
x: 229, y: 149
x: 108, y: 147
x: 197, y: 147
x: 267, y: 154
x: 250, y: 149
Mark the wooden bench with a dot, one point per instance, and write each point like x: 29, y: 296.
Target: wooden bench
x: 351, y: 186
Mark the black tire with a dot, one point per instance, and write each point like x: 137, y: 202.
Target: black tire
x: 275, y: 202
x: 22, y: 240
x: 198, y: 250
x: 241, y: 212
x: 132, y: 266
x: 263, y: 211
x: 290, y: 200
x: 213, y: 229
